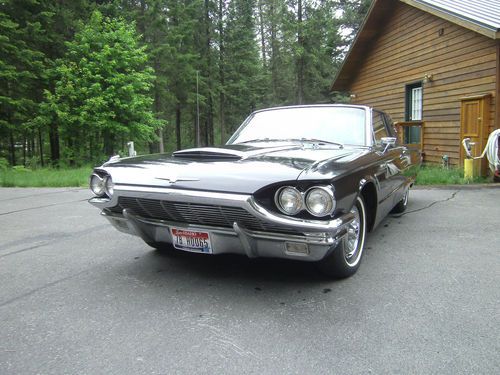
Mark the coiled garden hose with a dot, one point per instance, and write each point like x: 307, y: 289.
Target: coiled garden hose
x: 491, y: 149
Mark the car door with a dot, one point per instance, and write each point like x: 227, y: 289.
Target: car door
x: 390, y: 163
x: 402, y: 159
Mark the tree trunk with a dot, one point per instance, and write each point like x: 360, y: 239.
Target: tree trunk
x: 300, y: 59
x: 210, y: 121
x: 91, y: 147
x: 24, y: 149
x: 12, y: 148
x: 209, y: 128
x: 178, y: 125
x: 29, y: 144
x: 222, y: 97
x: 141, y: 25
x: 274, y: 51
x: 161, y: 145
x: 262, y: 35
x: 54, y: 144
x: 70, y: 142
x: 32, y: 146
x: 40, y: 145
x: 108, y: 143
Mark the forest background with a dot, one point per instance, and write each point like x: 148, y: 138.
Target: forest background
x: 81, y: 78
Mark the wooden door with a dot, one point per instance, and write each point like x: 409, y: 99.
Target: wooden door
x: 474, y: 121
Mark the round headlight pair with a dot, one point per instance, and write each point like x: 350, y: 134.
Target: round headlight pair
x: 318, y: 200
x: 101, y: 186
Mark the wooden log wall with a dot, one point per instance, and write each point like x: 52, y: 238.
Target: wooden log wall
x: 412, y: 44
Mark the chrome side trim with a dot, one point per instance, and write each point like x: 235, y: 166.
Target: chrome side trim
x: 300, y: 224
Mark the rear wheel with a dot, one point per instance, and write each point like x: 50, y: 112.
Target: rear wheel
x: 344, y: 260
x: 402, y: 204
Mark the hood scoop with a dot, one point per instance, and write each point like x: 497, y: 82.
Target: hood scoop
x: 209, y: 153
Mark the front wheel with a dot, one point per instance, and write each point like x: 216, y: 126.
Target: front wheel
x: 344, y: 260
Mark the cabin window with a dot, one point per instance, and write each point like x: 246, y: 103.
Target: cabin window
x: 414, y: 106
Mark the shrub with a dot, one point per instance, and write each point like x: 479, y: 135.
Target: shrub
x: 4, y: 164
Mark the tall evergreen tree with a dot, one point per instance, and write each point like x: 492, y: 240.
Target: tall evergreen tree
x: 66, y: 16
x: 21, y: 65
x: 242, y: 63
x: 153, y: 25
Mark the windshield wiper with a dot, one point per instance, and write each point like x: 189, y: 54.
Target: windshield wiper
x: 261, y: 140
x: 311, y: 140
x: 319, y: 141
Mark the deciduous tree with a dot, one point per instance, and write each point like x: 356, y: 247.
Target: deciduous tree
x: 102, y: 94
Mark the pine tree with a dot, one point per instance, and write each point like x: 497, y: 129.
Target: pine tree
x: 20, y: 67
x: 241, y: 66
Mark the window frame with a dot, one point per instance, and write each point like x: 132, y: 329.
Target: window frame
x: 409, y: 100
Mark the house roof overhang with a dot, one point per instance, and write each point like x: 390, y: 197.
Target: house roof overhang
x: 475, y: 19
x: 480, y: 16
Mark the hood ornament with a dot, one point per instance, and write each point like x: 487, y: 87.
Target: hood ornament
x: 174, y: 179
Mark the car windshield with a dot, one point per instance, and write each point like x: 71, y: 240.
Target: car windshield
x: 342, y: 125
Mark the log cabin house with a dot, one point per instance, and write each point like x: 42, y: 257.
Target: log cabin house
x: 433, y: 65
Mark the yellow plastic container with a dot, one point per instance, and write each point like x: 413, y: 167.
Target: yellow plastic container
x: 472, y: 168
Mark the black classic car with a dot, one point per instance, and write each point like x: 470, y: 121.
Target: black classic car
x: 298, y: 182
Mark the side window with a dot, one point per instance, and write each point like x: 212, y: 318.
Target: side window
x: 414, y: 102
x: 379, y: 129
x: 413, y: 112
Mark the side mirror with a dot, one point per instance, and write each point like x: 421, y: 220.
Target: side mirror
x: 388, y: 142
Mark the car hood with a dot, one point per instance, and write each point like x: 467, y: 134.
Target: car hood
x: 233, y: 168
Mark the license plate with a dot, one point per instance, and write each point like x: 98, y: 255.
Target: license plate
x: 194, y: 241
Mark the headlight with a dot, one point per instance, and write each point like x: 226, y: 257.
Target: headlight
x: 97, y: 185
x: 109, y: 186
x: 289, y: 200
x: 320, y: 201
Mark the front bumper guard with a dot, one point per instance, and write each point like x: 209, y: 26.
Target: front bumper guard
x: 319, y: 236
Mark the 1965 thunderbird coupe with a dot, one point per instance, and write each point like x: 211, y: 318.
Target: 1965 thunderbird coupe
x: 299, y: 182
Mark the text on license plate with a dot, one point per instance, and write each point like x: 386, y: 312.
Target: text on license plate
x: 189, y: 240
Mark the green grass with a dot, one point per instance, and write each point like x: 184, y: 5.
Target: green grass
x: 46, y: 177
x: 437, y: 175
x: 78, y: 177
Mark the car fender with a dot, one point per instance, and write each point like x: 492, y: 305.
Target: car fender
x: 369, y: 188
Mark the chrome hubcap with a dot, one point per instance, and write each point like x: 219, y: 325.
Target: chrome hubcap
x: 352, y: 241
x: 405, y: 198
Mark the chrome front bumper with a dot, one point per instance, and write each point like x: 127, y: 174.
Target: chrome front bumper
x: 313, y: 240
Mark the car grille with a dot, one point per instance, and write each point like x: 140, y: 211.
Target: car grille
x: 202, y: 214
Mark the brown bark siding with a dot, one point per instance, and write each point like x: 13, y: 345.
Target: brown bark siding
x: 412, y: 44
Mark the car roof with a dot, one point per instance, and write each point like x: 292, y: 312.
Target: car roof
x: 364, y: 107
